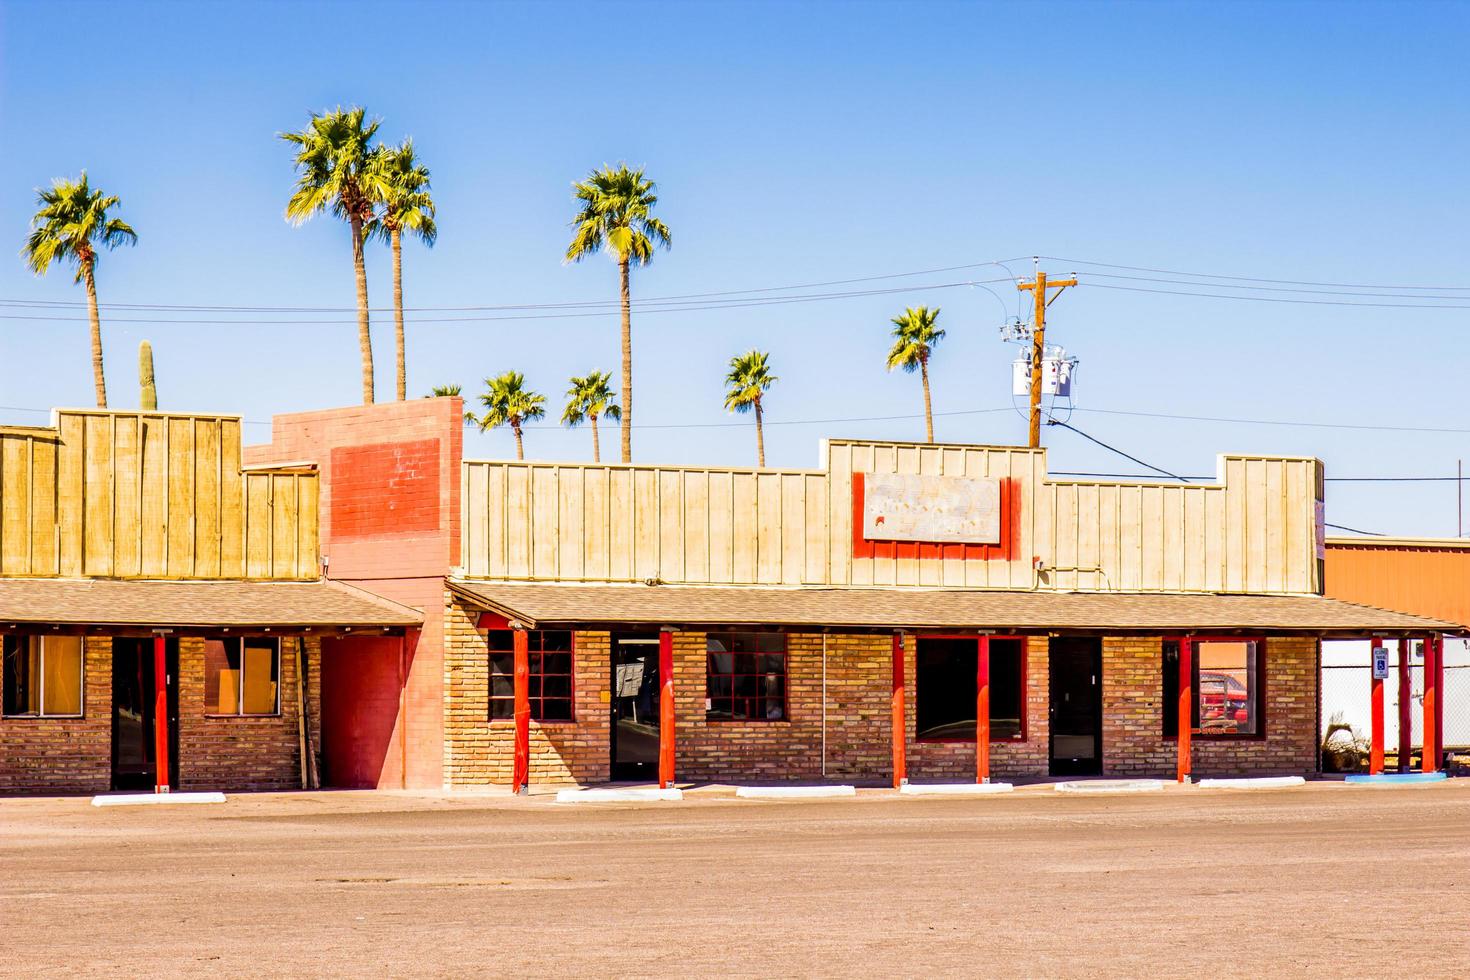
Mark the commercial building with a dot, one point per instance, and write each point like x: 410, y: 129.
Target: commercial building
x: 901, y: 611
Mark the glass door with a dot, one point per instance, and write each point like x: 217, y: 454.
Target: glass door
x: 635, y: 719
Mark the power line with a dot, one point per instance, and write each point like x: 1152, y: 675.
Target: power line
x: 1285, y: 422
x: 1287, y: 282
x: 1353, y: 530
x: 1283, y: 299
x: 1273, y: 289
x: 1115, y: 449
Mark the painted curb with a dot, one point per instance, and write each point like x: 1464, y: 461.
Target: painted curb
x: 792, y: 792
x: 1112, y: 786
x: 1253, y: 782
x: 672, y: 794
x: 157, y: 799
x: 954, y: 789
x: 1396, y: 779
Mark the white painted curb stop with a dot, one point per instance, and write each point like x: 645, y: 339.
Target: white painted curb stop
x: 156, y: 799
x: 672, y: 794
x: 792, y: 792
x: 1112, y: 786
x: 1253, y: 782
x: 954, y: 789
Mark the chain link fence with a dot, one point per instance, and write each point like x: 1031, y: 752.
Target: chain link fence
x: 1346, y: 692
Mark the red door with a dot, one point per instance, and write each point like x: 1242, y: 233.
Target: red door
x: 362, y: 678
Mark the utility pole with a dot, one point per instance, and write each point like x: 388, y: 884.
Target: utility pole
x: 1039, y: 286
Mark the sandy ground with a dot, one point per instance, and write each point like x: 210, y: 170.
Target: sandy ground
x: 1324, y: 879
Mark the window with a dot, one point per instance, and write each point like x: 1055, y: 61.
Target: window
x: 944, y: 678
x: 43, y: 676
x: 1227, y: 687
x: 745, y: 676
x: 551, y: 674
x: 242, y: 676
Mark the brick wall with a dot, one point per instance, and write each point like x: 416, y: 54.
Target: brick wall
x: 245, y: 753
x: 1133, y: 720
x: 479, y: 752
x: 64, y: 755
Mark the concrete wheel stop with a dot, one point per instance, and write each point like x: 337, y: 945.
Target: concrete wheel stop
x: 1395, y: 778
x: 1111, y: 786
x: 1253, y: 782
x: 793, y: 792
x: 156, y: 799
x: 613, y: 794
x: 954, y: 789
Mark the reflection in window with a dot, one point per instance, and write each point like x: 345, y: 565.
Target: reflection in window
x: 242, y: 676
x: 42, y: 675
x: 550, y: 683
x: 1227, y: 687
x: 745, y: 676
x: 944, y: 678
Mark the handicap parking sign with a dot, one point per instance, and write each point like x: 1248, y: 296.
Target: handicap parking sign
x: 1380, y: 663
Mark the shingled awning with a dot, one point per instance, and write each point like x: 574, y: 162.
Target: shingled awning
x: 555, y: 605
x: 215, y: 604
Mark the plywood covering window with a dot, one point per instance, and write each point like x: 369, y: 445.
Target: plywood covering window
x: 745, y: 677
x: 944, y: 680
x: 1228, y: 677
x: 550, y: 683
x: 242, y: 676
x: 42, y: 676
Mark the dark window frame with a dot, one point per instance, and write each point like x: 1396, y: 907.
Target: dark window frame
x: 710, y: 699
x: 240, y: 641
x: 536, y: 652
x: 43, y: 714
x: 1023, y: 733
x: 1170, y: 695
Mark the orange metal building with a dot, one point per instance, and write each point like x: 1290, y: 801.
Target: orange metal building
x: 1424, y: 576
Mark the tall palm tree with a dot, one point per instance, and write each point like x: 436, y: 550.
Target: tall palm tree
x: 444, y: 391
x: 71, y: 224
x: 914, y: 340
x: 334, y: 172
x: 749, y: 379
x: 588, y: 398
x: 617, y: 214
x: 407, y: 207
x: 508, y: 401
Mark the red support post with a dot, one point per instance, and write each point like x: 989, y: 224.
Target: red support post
x: 1406, y: 716
x: 982, y: 710
x: 1430, y: 761
x: 521, y: 773
x: 665, y: 709
x: 1186, y: 706
x: 1439, y: 699
x: 899, y: 716
x: 160, y: 712
x: 1375, y: 702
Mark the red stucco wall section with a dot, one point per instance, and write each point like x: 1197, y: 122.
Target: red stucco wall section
x: 390, y: 506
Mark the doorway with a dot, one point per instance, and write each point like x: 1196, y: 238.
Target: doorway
x: 635, y: 712
x: 1076, y: 706
x: 134, y: 744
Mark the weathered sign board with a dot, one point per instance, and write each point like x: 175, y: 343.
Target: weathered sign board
x: 932, y: 509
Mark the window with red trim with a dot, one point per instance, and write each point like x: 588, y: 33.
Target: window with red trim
x: 745, y: 678
x: 1228, y: 676
x: 944, y: 681
x: 550, y: 656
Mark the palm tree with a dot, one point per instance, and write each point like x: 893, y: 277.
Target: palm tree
x: 444, y: 391
x: 914, y: 339
x: 750, y: 378
x: 617, y: 213
x: 71, y: 224
x: 408, y: 207
x: 587, y: 399
x: 507, y: 401
x: 334, y: 171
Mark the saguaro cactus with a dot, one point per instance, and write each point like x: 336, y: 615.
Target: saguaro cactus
x: 148, y: 400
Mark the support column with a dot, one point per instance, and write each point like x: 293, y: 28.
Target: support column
x: 1375, y: 705
x: 521, y: 773
x: 1186, y: 706
x: 1406, y: 716
x: 898, y: 718
x: 1439, y: 699
x: 982, y: 710
x: 160, y: 713
x: 1430, y: 761
x: 665, y: 709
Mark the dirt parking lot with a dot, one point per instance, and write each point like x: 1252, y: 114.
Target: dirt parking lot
x: 1323, y: 879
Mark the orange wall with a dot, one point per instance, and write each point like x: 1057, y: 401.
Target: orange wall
x: 1424, y: 579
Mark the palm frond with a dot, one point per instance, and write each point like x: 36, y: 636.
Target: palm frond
x: 749, y: 379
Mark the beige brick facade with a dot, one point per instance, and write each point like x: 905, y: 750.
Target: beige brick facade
x: 845, y: 690
x: 74, y: 755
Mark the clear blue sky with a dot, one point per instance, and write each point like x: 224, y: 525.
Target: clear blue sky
x: 791, y: 144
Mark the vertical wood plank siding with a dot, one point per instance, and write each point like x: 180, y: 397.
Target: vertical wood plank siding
x: 1251, y: 531
x: 132, y: 495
